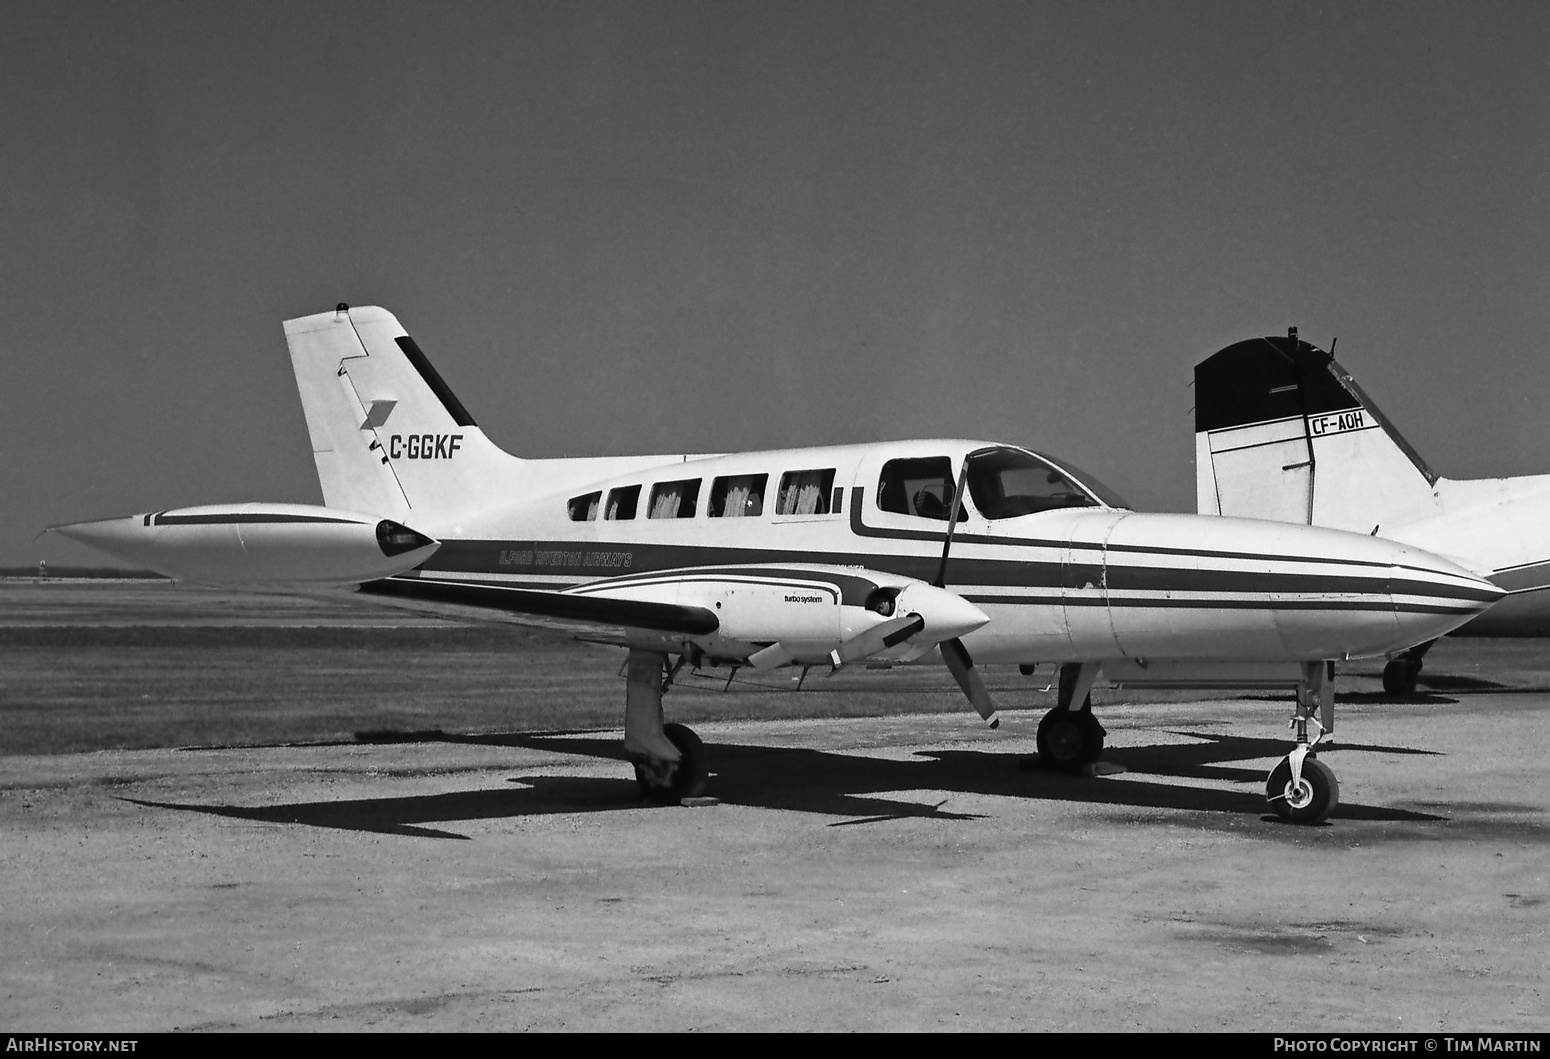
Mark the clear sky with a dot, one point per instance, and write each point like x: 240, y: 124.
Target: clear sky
x: 669, y: 227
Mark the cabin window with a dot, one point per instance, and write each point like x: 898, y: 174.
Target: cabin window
x: 1006, y: 483
x: 622, y: 502
x: 584, y: 508
x: 804, y: 492
x: 674, y: 499
x: 738, y: 496
x: 921, y: 487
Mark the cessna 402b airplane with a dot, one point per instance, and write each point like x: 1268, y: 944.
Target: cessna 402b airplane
x: 800, y: 557
x: 1283, y: 432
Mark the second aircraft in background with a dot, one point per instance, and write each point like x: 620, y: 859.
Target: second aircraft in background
x: 1283, y: 432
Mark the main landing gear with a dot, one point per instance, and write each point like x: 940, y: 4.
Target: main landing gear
x: 669, y: 759
x: 1071, y: 739
x: 1399, y: 676
x: 1301, y: 788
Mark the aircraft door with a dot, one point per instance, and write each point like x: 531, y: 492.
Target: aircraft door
x: 1264, y: 471
x: 1084, y: 589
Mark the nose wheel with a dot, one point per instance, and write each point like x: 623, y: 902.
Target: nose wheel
x: 1309, y: 798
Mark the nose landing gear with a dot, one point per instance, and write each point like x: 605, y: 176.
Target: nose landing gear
x: 1302, y: 789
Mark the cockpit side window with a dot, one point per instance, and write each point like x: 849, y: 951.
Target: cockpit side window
x: 1006, y: 483
x: 922, y: 487
x: 1106, y: 496
x: 584, y: 508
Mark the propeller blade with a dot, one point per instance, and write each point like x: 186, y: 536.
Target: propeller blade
x: 962, y: 666
x: 771, y: 657
x: 955, y: 505
x: 878, y: 638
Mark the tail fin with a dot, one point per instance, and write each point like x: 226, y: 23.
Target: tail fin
x: 388, y: 435
x: 1283, y: 432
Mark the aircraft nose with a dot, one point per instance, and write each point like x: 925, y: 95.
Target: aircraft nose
x: 1433, y: 595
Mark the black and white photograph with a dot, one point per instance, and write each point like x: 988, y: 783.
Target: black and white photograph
x: 884, y: 516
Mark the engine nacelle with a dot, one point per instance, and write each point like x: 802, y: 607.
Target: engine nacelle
x: 804, y: 612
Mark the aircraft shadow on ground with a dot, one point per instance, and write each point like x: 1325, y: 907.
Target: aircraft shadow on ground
x: 1459, y: 682
x: 820, y: 782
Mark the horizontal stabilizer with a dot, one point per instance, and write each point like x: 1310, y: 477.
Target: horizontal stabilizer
x: 259, y: 545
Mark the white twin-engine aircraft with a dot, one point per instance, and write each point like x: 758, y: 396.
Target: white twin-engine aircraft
x: 802, y: 557
x: 1283, y: 432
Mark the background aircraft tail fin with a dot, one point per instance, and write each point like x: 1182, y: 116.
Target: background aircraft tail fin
x: 1283, y: 432
x: 388, y: 435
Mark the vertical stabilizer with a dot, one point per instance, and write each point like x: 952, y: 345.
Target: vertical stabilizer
x: 1282, y: 432
x: 388, y: 435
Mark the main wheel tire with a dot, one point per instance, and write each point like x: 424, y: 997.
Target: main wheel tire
x: 1311, y: 801
x: 1069, y: 739
x: 1399, y: 676
x: 688, y: 780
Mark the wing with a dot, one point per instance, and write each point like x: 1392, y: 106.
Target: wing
x: 761, y: 615
x: 564, y: 610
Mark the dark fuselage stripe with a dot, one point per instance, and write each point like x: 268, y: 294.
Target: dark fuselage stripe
x: 485, y: 557
x: 490, y: 594
x: 244, y: 519
x: 1239, y: 603
x: 961, y: 536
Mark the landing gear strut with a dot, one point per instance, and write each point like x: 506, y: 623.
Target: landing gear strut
x: 1301, y: 788
x: 1070, y: 737
x: 668, y: 758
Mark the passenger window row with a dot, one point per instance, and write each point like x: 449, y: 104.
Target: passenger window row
x: 809, y: 492
x: 1003, y: 482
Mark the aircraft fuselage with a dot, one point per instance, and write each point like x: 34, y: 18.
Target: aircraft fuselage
x: 1070, y: 583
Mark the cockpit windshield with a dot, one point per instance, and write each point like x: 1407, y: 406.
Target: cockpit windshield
x: 1005, y: 483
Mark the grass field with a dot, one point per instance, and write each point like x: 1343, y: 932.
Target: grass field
x: 96, y: 665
